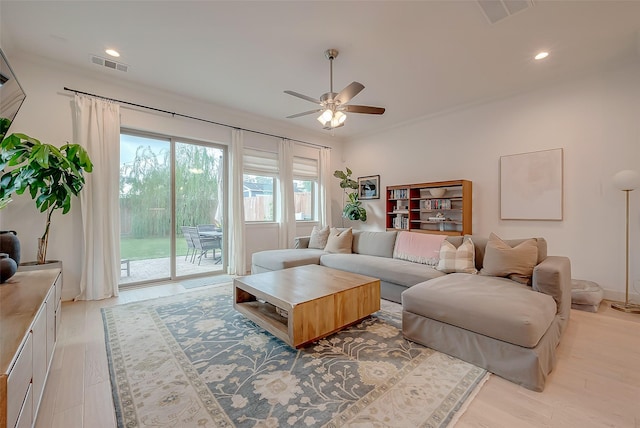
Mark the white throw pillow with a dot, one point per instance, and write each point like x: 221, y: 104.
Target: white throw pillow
x: 319, y: 237
x: 339, y: 241
x: 461, y: 259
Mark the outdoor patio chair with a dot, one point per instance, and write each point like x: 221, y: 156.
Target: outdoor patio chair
x: 212, y: 232
x: 187, y: 237
x: 202, y: 244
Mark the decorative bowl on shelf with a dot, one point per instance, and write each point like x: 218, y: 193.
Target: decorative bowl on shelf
x: 438, y: 192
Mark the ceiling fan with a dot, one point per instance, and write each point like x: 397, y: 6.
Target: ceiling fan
x: 334, y: 105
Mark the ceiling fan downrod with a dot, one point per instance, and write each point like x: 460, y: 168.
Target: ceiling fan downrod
x: 331, y: 54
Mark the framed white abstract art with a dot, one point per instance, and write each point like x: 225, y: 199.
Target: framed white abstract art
x: 531, y: 186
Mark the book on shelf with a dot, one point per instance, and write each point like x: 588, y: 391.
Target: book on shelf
x: 399, y: 194
x: 437, y: 204
x: 401, y: 222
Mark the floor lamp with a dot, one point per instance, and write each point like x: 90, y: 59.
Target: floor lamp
x: 626, y: 181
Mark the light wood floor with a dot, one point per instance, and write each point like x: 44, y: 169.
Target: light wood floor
x: 595, y: 384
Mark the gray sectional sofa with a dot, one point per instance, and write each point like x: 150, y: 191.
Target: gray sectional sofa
x: 511, y: 329
x: 372, y: 255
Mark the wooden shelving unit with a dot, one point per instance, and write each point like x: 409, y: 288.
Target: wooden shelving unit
x: 413, y: 207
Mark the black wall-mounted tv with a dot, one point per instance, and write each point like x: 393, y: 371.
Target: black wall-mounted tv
x: 11, y: 95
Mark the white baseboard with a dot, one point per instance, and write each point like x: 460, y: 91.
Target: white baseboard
x: 618, y: 296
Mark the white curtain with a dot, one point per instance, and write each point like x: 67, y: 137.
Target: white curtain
x: 97, y: 128
x: 237, y: 262
x: 325, y: 184
x: 287, y: 212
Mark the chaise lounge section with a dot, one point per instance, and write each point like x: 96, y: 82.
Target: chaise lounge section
x: 508, y: 328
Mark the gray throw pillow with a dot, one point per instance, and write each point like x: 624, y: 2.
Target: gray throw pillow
x: 517, y: 263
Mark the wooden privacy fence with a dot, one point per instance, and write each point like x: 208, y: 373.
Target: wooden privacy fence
x: 260, y: 207
x: 256, y: 208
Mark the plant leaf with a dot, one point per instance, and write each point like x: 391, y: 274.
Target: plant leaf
x: 339, y: 174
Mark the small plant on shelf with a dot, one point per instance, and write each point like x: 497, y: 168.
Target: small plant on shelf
x: 353, y: 209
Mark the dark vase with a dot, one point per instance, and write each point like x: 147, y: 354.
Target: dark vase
x: 10, y: 244
x: 8, y: 267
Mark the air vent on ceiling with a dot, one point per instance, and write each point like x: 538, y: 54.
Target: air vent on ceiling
x: 109, y: 63
x: 497, y: 10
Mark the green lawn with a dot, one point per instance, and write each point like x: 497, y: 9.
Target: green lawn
x: 150, y: 248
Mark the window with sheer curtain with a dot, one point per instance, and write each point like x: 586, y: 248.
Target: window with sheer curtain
x: 259, y: 186
x: 261, y: 183
x: 305, y: 188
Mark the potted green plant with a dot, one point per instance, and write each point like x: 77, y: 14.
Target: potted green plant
x: 51, y: 174
x: 353, y: 209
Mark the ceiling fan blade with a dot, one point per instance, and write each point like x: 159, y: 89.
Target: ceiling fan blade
x: 304, y: 113
x: 362, y: 109
x: 349, y: 92
x: 304, y: 97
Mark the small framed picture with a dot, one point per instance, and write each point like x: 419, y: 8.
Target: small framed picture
x: 369, y: 187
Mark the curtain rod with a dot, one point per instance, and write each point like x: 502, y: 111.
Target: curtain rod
x: 193, y: 117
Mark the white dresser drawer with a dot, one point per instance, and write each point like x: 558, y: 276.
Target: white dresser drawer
x: 19, y: 381
x: 25, y: 420
x: 58, y: 285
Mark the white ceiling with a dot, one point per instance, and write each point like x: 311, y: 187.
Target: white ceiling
x: 415, y: 58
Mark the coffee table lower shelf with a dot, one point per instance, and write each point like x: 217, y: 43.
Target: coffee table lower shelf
x: 334, y: 300
x: 265, y: 315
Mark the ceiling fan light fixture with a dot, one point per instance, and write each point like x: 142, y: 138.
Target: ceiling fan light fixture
x: 326, y: 117
x: 338, y: 119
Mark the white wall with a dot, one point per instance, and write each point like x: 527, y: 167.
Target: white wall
x: 594, y: 119
x: 46, y: 115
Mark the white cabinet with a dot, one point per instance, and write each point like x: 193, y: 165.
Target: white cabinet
x: 26, y: 418
x: 19, y: 381
x: 39, y: 334
x: 27, y: 340
x: 50, y: 305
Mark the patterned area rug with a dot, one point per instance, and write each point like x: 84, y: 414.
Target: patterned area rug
x: 191, y: 360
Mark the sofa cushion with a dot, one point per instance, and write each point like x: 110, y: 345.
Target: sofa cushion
x: 517, y: 262
x: 461, y: 259
x: 283, y: 259
x: 339, y: 241
x: 480, y: 243
x: 301, y: 241
x: 418, y: 247
x: 487, y: 305
x: 319, y: 237
x: 374, y: 243
x: 386, y: 269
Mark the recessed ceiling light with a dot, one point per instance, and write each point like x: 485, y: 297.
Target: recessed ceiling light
x: 113, y: 52
x: 542, y: 55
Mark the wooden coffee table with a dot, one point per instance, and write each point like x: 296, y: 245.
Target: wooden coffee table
x: 315, y: 301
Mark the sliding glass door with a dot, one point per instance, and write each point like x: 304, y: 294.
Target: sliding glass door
x: 171, y: 208
x: 199, y: 208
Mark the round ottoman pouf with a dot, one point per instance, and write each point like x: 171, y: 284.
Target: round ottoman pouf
x: 585, y: 295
